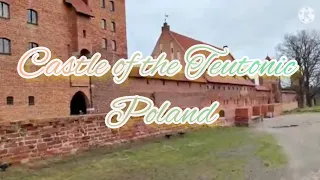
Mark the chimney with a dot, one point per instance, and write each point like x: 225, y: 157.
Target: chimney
x: 165, y: 27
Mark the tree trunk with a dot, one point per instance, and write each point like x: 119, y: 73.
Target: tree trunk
x: 308, y: 93
x: 301, y: 102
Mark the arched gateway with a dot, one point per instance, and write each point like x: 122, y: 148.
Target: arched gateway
x: 79, y: 104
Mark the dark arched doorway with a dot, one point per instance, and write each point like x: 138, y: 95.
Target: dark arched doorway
x: 85, y: 52
x: 221, y: 113
x: 79, y: 104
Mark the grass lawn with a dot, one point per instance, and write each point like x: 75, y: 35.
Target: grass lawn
x: 305, y: 110
x: 210, y: 153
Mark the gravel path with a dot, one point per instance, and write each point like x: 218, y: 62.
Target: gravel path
x: 301, y: 143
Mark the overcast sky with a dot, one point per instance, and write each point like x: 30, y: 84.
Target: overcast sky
x: 249, y: 27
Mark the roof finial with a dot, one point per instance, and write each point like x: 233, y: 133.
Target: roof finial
x: 165, y: 18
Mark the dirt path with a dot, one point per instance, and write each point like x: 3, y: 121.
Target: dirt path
x: 301, y: 143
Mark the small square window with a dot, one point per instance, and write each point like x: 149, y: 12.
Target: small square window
x: 9, y: 100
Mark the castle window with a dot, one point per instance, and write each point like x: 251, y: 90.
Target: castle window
x: 103, y: 3
x: 112, y: 8
x: 104, y: 43
x: 32, y: 45
x: 178, y: 55
x: 9, y: 100
x: 147, y: 81
x: 31, y: 100
x: 4, y: 10
x: 114, y: 45
x: 221, y: 113
x: 163, y: 82
x: 189, y: 84
x: 84, y: 33
x: 103, y: 24
x: 213, y: 87
x: 32, y: 17
x: 5, y: 46
x: 113, y: 27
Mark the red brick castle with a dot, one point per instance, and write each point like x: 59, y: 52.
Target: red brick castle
x: 35, y: 119
x: 84, y: 27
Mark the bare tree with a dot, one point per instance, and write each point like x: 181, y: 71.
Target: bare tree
x: 304, y: 47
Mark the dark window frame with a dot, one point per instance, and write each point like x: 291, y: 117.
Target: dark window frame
x: 2, y: 7
x: 31, y: 101
x: 10, y: 100
x: 103, y: 4
x: 112, y: 6
x: 114, y: 45
x: 103, y: 24
x: 31, y: 14
x: 2, y: 51
x: 32, y: 45
x: 113, y: 26
x: 105, y: 41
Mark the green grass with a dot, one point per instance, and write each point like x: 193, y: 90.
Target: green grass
x: 314, y: 109
x: 212, y: 153
x: 270, y: 152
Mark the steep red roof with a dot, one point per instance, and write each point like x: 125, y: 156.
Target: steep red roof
x: 80, y: 6
x: 186, y: 42
x: 262, y: 88
x: 229, y: 80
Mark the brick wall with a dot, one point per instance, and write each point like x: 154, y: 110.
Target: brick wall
x: 23, y: 141
x: 60, y: 28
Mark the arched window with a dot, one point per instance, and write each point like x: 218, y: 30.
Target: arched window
x: 5, y: 46
x: 113, y: 26
x: 114, y: 45
x: 32, y: 45
x: 104, y: 43
x: 112, y: 8
x: 103, y: 3
x: 103, y: 24
x: 4, y: 10
x: 32, y: 16
x: 221, y: 113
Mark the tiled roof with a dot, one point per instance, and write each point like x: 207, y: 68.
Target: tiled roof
x: 262, y: 88
x: 289, y: 91
x: 186, y: 42
x: 229, y: 80
x: 178, y: 77
x: 80, y: 6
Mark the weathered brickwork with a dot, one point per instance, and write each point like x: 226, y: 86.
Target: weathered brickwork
x: 24, y: 141
x: 61, y: 26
